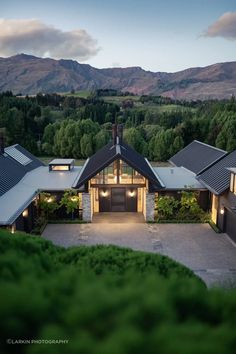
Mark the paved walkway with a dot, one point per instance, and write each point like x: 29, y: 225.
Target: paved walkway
x: 118, y: 218
x: 211, y: 256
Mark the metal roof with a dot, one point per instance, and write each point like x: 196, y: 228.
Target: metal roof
x: 197, y: 156
x: 13, y: 202
x: 232, y: 169
x: 11, y: 170
x: 176, y: 178
x: 217, y: 177
x: 110, y: 153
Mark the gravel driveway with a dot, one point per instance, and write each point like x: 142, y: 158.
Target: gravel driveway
x: 211, y: 256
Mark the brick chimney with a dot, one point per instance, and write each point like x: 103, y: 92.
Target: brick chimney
x: 114, y: 133
x: 120, y: 133
x: 2, y: 142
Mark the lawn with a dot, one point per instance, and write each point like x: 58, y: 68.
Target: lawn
x: 47, y: 159
x: 80, y: 162
x: 82, y: 94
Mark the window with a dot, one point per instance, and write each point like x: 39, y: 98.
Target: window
x: 61, y: 165
x: 60, y: 168
x: 233, y: 183
x: 118, y: 172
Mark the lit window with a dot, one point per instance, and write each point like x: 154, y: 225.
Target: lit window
x: 232, y: 183
x: 60, y: 168
x: 61, y: 165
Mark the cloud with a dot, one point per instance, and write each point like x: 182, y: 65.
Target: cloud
x: 34, y: 37
x: 224, y: 27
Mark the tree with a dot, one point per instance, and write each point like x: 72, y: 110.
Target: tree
x: 47, y: 204
x: 71, y: 201
x: 133, y: 137
x: 86, y: 146
x: 101, y: 139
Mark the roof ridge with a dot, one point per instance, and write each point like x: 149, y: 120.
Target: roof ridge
x: 208, y: 145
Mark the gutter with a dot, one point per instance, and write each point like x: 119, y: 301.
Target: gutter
x: 159, y: 179
x: 81, y: 171
x: 11, y: 220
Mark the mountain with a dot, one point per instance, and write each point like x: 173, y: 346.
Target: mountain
x: 27, y: 74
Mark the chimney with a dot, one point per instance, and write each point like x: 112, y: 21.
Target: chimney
x: 114, y: 133
x: 120, y: 133
x: 2, y: 142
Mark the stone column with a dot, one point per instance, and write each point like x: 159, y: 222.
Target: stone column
x: 86, y: 205
x: 150, y: 206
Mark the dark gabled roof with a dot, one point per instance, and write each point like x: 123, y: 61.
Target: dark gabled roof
x: 110, y: 153
x: 197, y: 156
x: 217, y: 177
x: 12, y: 171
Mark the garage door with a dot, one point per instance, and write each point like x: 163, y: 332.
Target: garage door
x: 230, y: 224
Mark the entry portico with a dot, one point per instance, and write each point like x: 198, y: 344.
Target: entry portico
x: 118, y: 179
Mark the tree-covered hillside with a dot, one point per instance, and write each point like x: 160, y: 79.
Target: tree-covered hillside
x: 74, y: 126
x: 105, y: 299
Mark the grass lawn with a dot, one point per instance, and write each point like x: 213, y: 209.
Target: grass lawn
x: 119, y: 99
x: 80, y: 162
x: 82, y: 94
x: 47, y: 159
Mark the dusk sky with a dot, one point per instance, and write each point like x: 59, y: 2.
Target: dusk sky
x: 168, y: 35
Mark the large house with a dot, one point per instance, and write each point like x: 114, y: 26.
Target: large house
x: 118, y: 179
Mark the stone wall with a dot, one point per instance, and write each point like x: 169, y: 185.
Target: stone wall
x: 150, y: 206
x: 87, y: 207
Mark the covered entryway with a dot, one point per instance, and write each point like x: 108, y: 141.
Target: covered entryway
x: 230, y: 224
x: 118, y: 199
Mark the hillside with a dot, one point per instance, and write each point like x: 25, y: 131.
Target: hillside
x: 27, y: 74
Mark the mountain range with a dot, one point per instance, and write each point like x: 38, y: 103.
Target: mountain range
x: 27, y: 74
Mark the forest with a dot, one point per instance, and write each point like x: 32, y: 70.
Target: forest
x: 76, y: 126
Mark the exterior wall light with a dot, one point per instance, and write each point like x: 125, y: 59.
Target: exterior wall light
x: 13, y: 228
x: 222, y: 210
x: 25, y: 213
x: 74, y: 199
x: 131, y: 193
x: 50, y: 200
x: 104, y: 193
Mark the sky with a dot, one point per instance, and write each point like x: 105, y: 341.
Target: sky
x: 157, y: 35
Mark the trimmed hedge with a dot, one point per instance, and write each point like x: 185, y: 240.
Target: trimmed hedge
x: 108, y: 300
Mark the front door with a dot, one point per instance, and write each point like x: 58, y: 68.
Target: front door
x: 118, y: 199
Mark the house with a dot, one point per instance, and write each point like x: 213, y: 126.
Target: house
x: 215, y: 169
x: 117, y: 179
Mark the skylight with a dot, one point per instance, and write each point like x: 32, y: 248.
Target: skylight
x: 17, y: 155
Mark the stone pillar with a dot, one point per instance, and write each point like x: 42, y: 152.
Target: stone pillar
x: 150, y: 206
x: 86, y: 205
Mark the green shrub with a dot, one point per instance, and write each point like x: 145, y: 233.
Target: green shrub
x: 108, y: 300
x: 166, y: 207
x: 185, y: 209
x: 71, y: 201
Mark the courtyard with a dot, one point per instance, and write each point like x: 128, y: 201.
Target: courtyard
x: 210, y: 255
